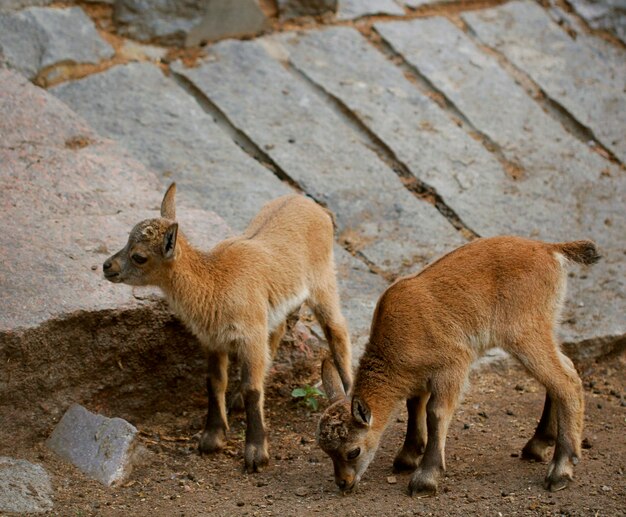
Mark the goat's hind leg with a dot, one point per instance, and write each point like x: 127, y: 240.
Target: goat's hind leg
x: 325, y: 304
x: 556, y: 372
x: 214, y: 435
x: 414, y: 445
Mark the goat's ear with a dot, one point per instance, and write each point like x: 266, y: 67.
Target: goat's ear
x: 361, y: 412
x: 331, y: 381
x: 168, y: 205
x: 169, y: 241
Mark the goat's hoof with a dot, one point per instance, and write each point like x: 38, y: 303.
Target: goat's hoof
x: 559, y: 476
x: 255, y: 457
x: 405, y: 461
x: 422, y: 484
x: 536, y: 450
x: 211, y: 442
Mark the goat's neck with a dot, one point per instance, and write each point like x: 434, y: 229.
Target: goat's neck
x: 189, y: 277
x: 376, y: 386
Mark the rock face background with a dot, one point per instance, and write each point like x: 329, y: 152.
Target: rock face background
x: 419, y: 132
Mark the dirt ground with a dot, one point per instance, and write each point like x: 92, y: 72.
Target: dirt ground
x: 485, y: 475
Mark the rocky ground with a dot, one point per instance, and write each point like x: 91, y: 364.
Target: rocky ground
x: 485, y: 475
x: 420, y: 125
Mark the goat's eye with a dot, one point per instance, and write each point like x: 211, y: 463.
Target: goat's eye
x: 139, y: 259
x: 354, y: 453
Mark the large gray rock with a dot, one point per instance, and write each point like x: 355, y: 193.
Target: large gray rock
x: 100, y: 447
x: 24, y: 487
x: 294, y: 8
x: 189, y: 22
x: 591, y: 192
x: 71, y: 198
x: 310, y: 142
x: 34, y: 39
x: 570, y: 72
x: 604, y: 14
x: 184, y: 143
x: 351, y: 9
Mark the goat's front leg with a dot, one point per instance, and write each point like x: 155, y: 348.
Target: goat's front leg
x: 214, y: 435
x: 439, y: 412
x: 254, y: 366
x: 415, y: 439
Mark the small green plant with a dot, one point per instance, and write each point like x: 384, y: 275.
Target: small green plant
x: 309, y: 394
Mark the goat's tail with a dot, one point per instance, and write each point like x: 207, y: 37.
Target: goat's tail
x: 583, y: 252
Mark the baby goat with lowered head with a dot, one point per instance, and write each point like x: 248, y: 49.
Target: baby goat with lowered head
x: 426, y: 331
x: 235, y: 298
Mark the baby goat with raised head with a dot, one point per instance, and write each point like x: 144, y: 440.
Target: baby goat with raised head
x: 235, y: 298
x: 426, y: 331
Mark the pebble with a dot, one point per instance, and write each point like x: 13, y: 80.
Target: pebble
x: 606, y: 488
x: 302, y: 491
x: 240, y: 503
x: 586, y: 443
x: 509, y: 412
x: 466, y: 426
x: 392, y: 480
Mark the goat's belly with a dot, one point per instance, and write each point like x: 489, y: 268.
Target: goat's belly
x: 278, y: 313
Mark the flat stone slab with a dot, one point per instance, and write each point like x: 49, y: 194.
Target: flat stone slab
x: 590, y: 191
x: 351, y: 9
x: 24, y: 487
x: 568, y: 70
x: 313, y: 145
x: 73, y: 197
x: 100, y: 447
x: 37, y: 38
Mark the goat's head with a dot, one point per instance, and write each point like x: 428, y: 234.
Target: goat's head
x: 345, y: 431
x: 151, y: 248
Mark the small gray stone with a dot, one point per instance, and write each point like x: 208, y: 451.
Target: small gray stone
x: 228, y: 19
x: 302, y: 491
x: 163, y: 21
x: 36, y: 38
x: 189, y: 23
x: 351, y: 9
x: 100, y: 447
x: 294, y: 8
x: 24, y: 487
x: 593, y: 93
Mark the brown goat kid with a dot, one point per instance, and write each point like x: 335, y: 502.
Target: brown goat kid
x: 426, y: 331
x: 236, y: 297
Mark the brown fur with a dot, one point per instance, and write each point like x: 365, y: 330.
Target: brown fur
x: 428, y: 328
x: 235, y: 297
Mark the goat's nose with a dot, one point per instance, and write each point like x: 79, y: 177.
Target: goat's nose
x: 342, y: 483
x: 107, y: 265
